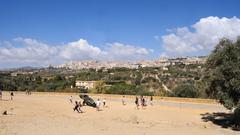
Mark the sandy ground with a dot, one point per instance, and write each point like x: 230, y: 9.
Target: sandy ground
x: 52, y: 114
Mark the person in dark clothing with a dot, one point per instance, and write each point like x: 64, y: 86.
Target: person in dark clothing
x: 136, y: 102
x: 11, y: 94
x: 5, y: 113
x: 76, y: 108
x: 143, y: 102
x: 104, y: 102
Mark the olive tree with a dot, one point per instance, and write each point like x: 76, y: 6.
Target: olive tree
x: 223, y: 73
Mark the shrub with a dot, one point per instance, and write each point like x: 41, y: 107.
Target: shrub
x: 185, y: 90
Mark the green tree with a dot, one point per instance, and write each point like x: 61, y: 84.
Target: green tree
x: 185, y: 90
x: 223, y: 74
x: 99, y: 87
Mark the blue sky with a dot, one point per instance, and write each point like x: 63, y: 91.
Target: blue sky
x: 143, y: 25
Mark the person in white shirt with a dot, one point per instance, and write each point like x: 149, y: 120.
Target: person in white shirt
x: 98, y: 103
x: 123, y: 100
x: 70, y: 99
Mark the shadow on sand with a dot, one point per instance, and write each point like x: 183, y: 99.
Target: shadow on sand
x: 225, y: 120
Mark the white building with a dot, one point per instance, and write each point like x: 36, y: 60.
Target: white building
x: 85, y: 84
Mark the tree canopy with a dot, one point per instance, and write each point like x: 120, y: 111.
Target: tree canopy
x: 223, y: 73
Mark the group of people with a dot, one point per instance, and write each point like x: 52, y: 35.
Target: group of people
x: 100, y: 103
x: 11, y: 95
x: 139, y: 101
x: 28, y: 92
x: 79, y: 104
x: 142, y: 101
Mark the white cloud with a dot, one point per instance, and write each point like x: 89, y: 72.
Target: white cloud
x: 80, y: 50
x: 202, y: 39
x: 31, y: 52
x: 28, y: 50
x: 119, y: 51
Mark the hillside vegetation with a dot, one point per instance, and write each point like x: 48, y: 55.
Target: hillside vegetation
x: 141, y: 81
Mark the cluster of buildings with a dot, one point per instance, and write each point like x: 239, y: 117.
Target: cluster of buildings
x: 85, y: 84
x: 162, y: 62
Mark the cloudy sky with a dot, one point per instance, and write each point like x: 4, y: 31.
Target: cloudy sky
x: 43, y: 32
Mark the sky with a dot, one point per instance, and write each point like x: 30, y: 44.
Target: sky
x: 42, y: 32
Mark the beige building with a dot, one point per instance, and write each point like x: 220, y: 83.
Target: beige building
x: 85, y: 84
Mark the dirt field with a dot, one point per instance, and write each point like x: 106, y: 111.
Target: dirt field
x: 52, y: 114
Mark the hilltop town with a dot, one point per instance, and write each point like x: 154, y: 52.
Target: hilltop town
x: 161, y: 62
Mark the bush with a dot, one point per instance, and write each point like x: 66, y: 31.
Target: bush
x: 121, y: 88
x: 185, y: 90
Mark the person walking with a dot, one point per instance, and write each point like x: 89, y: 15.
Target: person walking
x: 11, y: 95
x: 98, y: 104
x: 123, y: 100
x: 137, y: 102
x: 76, y: 107
x: 79, y: 107
x: 0, y: 93
x: 70, y: 99
x: 151, y: 100
x: 143, y: 102
x: 104, y: 102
